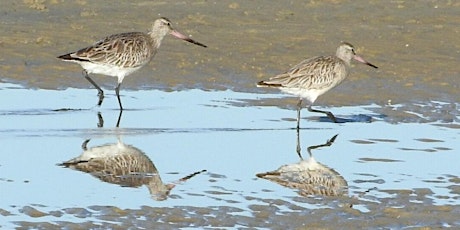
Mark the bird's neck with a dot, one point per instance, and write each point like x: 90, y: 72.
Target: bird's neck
x: 156, y: 40
x: 344, y: 58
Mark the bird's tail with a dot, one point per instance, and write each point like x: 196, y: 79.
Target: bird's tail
x: 65, y: 57
x: 69, y: 57
x: 267, y: 84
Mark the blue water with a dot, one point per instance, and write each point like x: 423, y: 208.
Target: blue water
x: 188, y: 131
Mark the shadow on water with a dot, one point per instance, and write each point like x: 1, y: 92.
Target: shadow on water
x: 353, y: 118
x: 348, y: 119
x: 309, y: 176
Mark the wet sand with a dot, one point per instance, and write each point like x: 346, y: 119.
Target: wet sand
x: 416, y: 45
x: 399, y: 167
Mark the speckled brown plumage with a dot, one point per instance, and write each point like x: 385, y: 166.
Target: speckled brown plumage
x: 315, y: 76
x: 119, y: 55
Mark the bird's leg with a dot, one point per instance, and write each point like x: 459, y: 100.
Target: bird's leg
x: 328, y: 143
x: 329, y: 114
x: 299, y: 107
x: 191, y: 175
x: 117, y: 91
x: 298, y: 145
x: 84, y: 144
x: 100, y: 92
x: 119, y: 118
x: 100, y: 124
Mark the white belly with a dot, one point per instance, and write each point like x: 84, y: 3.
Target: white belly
x: 109, y: 70
x: 309, y: 94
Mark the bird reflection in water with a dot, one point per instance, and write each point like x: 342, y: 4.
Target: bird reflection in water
x: 100, y: 119
x: 309, y: 176
x: 124, y: 165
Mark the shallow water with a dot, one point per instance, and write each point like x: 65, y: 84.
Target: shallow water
x: 390, y: 172
x: 195, y: 109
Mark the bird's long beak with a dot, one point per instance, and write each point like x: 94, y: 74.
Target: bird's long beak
x: 360, y: 59
x: 185, y: 38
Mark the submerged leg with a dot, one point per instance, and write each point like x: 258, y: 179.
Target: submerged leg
x: 299, y: 107
x: 100, y: 92
x: 329, y: 114
x: 117, y: 91
x: 119, y: 118
x: 298, y: 145
x: 84, y: 144
x: 100, y: 123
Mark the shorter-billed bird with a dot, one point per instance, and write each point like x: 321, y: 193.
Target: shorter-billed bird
x: 315, y: 76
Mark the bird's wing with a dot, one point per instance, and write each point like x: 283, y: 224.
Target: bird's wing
x: 125, y: 50
x: 310, y: 73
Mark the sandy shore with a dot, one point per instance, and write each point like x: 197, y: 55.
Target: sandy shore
x: 416, y: 45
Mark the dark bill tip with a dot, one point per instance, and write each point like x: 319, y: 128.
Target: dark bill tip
x: 185, y: 38
x: 372, y: 65
x: 195, y: 42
